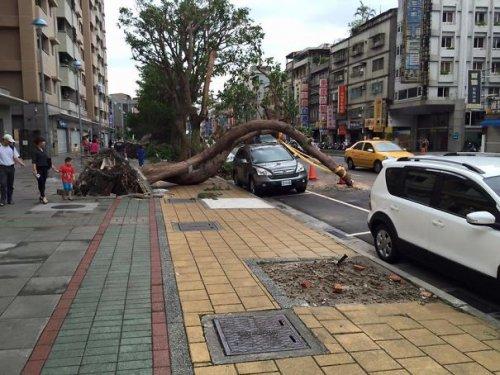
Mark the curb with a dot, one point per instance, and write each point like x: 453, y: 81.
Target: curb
x: 364, y: 249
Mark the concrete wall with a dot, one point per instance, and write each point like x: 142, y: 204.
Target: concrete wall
x: 6, y: 119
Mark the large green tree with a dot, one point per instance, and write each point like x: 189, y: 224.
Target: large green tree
x: 190, y: 42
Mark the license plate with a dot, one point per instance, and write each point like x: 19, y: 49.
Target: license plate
x: 286, y: 183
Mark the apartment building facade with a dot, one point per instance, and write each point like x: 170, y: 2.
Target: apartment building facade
x: 75, y: 32
x: 448, y: 66
x: 361, y: 80
x: 120, y: 105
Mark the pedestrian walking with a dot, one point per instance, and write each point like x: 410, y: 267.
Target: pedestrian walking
x: 9, y: 157
x: 68, y: 178
x: 94, y: 146
x: 41, y: 166
x: 85, y: 146
x: 141, y: 155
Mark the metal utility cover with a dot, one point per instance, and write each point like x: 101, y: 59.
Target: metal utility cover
x: 67, y: 206
x: 181, y: 200
x: 257, y: 334
x: 77, y: 207
x: 197, y: 226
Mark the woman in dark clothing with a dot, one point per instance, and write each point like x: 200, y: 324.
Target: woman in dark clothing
x: 41, y: 166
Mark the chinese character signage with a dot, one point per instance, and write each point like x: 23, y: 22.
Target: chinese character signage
x: 304, y: 104
x: 342, y: 102
x: 474, y: 90
x: 413, y: 24
x: 377, y: 108
x: 330, y: 117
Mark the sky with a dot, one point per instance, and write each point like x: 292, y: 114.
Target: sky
x: 289, y: 25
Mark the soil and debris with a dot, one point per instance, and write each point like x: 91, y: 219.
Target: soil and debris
x: 355, y: 280
x: 109, y: 173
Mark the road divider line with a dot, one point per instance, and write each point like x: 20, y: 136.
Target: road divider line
x: 358, y: 234
x: 338, y: 201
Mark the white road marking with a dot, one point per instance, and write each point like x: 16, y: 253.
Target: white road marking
x: 338, y: 201
x: 358, y: 234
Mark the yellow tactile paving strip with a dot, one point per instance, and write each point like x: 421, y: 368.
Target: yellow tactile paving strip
x: 381, y: 338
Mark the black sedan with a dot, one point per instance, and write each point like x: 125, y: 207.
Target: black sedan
x: 263, y: 167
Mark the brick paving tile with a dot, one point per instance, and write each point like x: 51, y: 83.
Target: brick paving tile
x: 310, y: 321
x: 465, y: 343
x: 349, y: 369
x: 400, y: 349
x: 375, y: 360
x: 481, y: 331
x: 256, y: 367
x: 380, y: 332
x: 495, y: 344
x: 298, y: 366
x: 467, y: 369
x: 355, y: 342
x: 340, y: 326
x: 422, y: 365
x: 391, y: 372
x: 421, y: 337
x: 488, y: 358
x: 216, y: 370
x: 445, y: 354
x: 441, y: 327
x: 400, y: 322
x: 333, y: 359
x: 199, y: 352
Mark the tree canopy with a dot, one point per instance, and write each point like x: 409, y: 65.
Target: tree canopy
x: 363, y: 14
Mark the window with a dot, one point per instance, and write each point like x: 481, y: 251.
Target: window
x: 460, y: 196
x: 270, y: 154
x: 338, y: 77
x: 358, y: 49
x: 447, y: 42
x: 418, y: 186
x: 356, y: 92
x: 378, y: 40
x: 494, y: 91
x: 478, y: 65
x: 496, y: 18
x: 368, y: 147
x: 358, y: 146
x: 378, y: 64
x: 496, y: 42
x: 446, y: 67
x: 377, y: 87
x: 479, y: 42
x: 393, y: 179
x: 358, y: 71
x: 448, y: 16
x: 495, y: 67
x: 398, y: 50
x: 481, y: 18
x: 443, y: 92
x: 494, y: 183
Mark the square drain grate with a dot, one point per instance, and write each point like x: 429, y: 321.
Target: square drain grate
x: 257, y: 334
x: 181, y: 200
x: 197, y: 226
x: 252, y: 336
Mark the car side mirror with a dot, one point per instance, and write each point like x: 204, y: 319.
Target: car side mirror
x: 370, y: 150
x: 481, y: 218
x: 243, y: 161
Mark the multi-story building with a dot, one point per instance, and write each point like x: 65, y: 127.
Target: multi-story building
x: 448, y: 65
x: 259, y: 81
x: 362, y: 78
x: 120, y: 105
x: 299, y: 66
x: 74, y: 32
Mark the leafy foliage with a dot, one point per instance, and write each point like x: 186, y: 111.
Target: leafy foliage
x: 363, y: 14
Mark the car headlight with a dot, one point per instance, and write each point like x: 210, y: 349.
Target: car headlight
x: 300, y: 168
x: 262, y: 171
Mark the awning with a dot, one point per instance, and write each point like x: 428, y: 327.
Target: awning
x: 491, y: 122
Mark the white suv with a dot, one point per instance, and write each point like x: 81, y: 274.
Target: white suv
x: 447, y: 205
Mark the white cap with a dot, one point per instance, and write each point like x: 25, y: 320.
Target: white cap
x: 9, y: 138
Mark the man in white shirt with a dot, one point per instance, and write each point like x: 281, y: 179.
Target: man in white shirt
x: 8, y: 158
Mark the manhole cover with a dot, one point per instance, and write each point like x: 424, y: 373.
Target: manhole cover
x: 197, y: 226
x: 241, y: 337
x: 67, y: 206
x: 181, y: 200
x: 257, y: 334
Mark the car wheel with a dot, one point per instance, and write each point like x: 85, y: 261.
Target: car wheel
x: 253, y: 188
x: 350, y: 164
x: 377, y: 166
x: 386, y: 243
x: 300, y: 189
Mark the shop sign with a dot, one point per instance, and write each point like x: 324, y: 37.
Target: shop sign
x: 474, y: 90
x: 323, y: 83
x: 370, y: 123
x: 378, y: 126
x: 330, y: 117
x: 342, y: 129
x: 342, y: 101
x: 353, y: 125
x: 378, y: 108
x: 413, y: 17
x: 304, y: 111
x: 322, y: 100
x: 323, y: 92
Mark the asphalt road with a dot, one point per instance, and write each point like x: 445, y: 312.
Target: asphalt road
x: 347, y: 210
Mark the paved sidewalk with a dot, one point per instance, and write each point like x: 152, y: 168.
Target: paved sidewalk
x: 398, y: 338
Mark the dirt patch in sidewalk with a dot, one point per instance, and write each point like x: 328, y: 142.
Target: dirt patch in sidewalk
x: 356, y: 280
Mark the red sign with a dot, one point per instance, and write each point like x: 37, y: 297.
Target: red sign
x: 304, y: 102
x: 342, y: 104
x: 304, y: 95
x: 323, y: 91
x: 342, y: 130
x: 304, y: 87
x: 323, y: 83
x: 322, y: 109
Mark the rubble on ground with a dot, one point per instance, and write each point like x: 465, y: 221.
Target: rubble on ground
x: 109, y: 173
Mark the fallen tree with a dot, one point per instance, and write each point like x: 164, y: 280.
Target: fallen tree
x: 205, y: 165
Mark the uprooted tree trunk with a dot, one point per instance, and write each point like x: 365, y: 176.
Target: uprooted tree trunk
x: 204, y: 165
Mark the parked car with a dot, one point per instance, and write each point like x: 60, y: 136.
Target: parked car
x: 263, y: 167
x: 371, y: 154
x: 448, y: 206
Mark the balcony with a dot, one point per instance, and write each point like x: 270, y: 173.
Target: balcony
x: 69, y: 106
x: 377, y: 41
x: 67, y: 77
x: 66, y: 43
x: 358, y: 49
x: 339, y: 58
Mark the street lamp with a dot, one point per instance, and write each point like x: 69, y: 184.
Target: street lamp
x: 77, y: 66
x: 39, y: 24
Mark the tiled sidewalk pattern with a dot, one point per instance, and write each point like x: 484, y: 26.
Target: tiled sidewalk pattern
x: 108, y: 328
x: 383, y: 338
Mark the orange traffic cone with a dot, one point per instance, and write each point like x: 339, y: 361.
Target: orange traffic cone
x: 312, y: 173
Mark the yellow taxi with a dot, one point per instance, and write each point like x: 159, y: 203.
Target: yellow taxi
x: 371, y: 153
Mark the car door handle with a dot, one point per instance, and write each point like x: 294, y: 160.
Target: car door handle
x: 394, y: 208
x: 438, y: 223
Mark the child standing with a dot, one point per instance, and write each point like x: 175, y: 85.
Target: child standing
x: 141, y: 155
x: 68, y: 177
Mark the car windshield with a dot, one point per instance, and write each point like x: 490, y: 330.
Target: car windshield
x: 270, y: 154
x: 494, y: 183
x: 387, y: 147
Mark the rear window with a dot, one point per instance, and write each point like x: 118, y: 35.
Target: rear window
x: 394, y: 179
x: 494, y: 183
